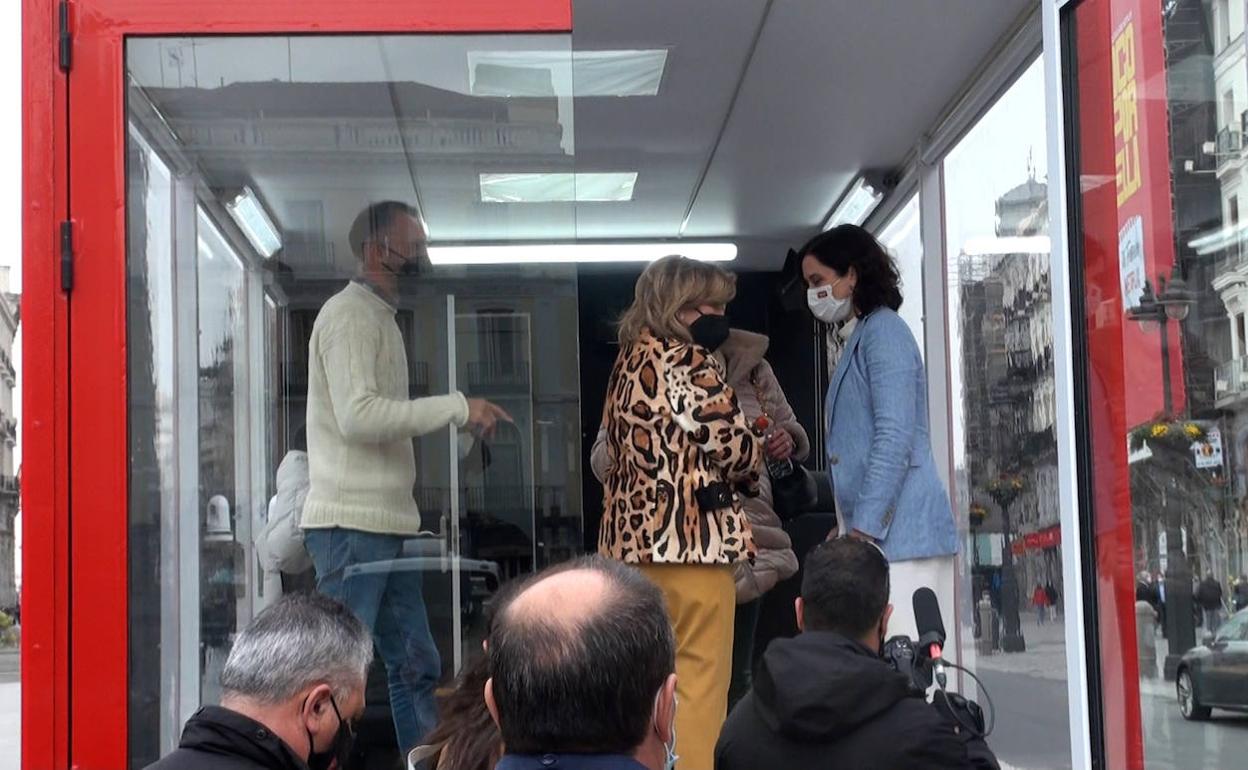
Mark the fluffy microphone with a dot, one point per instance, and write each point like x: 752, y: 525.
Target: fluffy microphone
x: 931, y: 630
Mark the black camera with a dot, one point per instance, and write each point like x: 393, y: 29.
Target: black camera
x: 900, y: 653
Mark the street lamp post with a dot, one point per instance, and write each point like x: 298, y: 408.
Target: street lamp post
x: 1004, y: 491
x: 1172, y: 303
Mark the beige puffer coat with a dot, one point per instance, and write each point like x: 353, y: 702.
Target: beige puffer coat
x: 744, y: 365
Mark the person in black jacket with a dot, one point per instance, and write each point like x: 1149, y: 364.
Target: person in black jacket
x: 826, y: 699
x: 292, y: 685
x: 1209, y: 599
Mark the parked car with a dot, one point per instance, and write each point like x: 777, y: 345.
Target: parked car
x: 1215, y: 674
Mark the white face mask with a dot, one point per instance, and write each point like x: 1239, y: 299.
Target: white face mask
x: 827, y: 307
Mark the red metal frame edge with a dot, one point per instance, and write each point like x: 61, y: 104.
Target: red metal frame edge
x: 45, y: 503
x: 98, y: 640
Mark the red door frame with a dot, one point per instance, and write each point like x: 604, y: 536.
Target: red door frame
x: 45, y: 404
x: 76, y: 635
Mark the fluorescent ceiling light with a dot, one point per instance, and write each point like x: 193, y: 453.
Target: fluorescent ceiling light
x: 557, y: 187
x: 255, y: 222
x: 1009, y: 244
x: 855, y: 205
x: 562, y: 253
x: 550, y: 73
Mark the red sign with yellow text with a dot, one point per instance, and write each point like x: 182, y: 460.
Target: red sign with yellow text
x: 1142, y: 183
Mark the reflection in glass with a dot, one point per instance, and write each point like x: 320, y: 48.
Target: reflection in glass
x: 1001, y: 361
x: 309, y: 131
x: 1163, y: 246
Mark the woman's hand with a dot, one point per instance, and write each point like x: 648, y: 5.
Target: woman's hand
x: 780, y: 445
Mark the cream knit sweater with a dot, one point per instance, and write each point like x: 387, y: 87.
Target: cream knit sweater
x: 360, y: 420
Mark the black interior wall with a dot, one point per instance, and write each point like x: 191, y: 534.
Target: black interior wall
x: 604, y: 293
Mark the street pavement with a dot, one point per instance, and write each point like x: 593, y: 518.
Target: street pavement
x: 10, y: 711
x: 1032, y: 732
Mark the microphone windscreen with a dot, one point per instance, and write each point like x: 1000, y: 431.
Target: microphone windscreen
x: 927, y: 614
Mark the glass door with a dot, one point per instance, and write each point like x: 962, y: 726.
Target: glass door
x: 262, y: 174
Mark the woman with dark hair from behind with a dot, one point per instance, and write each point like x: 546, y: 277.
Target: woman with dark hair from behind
x: 877, y: 442
x: 466, y: 736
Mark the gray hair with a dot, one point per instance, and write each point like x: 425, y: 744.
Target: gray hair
x: 301, y: 641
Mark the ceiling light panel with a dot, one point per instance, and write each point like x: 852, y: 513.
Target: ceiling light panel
x: 558, y: 187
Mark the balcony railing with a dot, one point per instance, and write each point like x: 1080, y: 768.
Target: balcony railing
x: 9, y: 486
x: 1230, y: 143
x: 1231, y: 379
x: 494, y: 377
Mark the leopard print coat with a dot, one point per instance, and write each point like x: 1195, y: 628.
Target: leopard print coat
x: 673, y: 426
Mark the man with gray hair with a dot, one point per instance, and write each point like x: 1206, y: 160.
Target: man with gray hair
x: 292, y: 685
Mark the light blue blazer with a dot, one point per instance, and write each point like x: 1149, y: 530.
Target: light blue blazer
x: 878, y: 446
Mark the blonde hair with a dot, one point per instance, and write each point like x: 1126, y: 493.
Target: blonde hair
x: 668, y: 286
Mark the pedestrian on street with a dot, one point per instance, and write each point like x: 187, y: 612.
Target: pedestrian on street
x: 1241, y: 593
x: 1161, y: 602
x: 1041, y: 601
x: 1209, y: 598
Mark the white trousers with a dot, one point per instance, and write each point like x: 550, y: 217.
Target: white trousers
x: 936, y: 573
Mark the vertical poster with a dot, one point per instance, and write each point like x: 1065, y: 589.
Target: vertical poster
x: 1141, y: 129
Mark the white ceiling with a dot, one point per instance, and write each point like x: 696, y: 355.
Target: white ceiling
x: 832, y: 87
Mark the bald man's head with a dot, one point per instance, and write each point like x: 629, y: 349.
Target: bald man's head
x: 577, y: 658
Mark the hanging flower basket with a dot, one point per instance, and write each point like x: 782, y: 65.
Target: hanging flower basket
x: 978, y: 514
x: 1005, y: 489
x: 1167, y: 433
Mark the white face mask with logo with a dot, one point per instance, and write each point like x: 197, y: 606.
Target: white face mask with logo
x: 827, y: 307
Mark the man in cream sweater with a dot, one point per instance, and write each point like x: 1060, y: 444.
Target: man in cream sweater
x: 361, y: 467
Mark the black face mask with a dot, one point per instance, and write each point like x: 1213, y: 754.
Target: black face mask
x: 710, y: 331
x: 407, y: 267
x: 339, y: 749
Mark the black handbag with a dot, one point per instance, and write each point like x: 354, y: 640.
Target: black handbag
x: 795, y: 492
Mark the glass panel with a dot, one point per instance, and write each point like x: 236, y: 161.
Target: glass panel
x: 258, y: 323
x: 904, y: 238
x: 1001, y: 372
x: 10, y: 530
x: 1161, y: 91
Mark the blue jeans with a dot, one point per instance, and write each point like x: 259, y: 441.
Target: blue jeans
x: 392, y: 604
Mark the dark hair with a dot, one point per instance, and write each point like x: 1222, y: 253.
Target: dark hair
x: 849, y: 246
x: 471, y: 740
x: 844, y: 587
x: 372, y: 222
x: 584, y: 684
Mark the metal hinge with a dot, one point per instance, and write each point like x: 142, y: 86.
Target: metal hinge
x: 64, y: 39
x: 67, y: 256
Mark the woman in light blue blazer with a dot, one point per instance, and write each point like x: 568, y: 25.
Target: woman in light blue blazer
x: 878, y: 447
